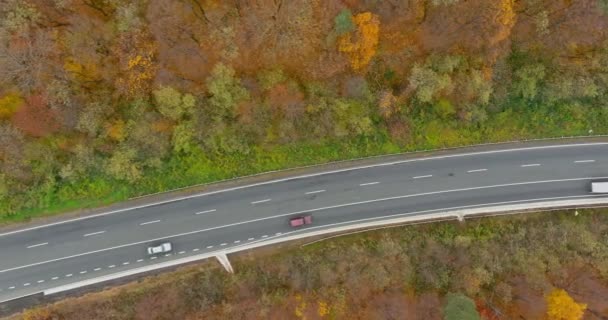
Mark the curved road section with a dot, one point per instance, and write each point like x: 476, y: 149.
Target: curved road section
x: 37, y: 259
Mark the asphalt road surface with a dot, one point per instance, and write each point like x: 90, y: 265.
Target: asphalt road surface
x: 32, y: 260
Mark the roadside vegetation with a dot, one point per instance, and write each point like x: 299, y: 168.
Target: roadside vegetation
x: 551, y: 265
x: 104, y: 100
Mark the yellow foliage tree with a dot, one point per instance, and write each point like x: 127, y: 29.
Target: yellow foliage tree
x: 361, y: 44
x: 560, y: 306
x: 300, y: 307
x: 507, y: 13
x: 9, y: 105
x: 87, y: 71
x: 137, y: 54
x: 323, y: 309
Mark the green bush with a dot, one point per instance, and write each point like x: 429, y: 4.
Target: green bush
x: 343, y: 22
x: 459, y: 307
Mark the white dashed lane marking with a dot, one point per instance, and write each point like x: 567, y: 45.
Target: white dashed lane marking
x: 237, y: 241
x: 181, y: 252
x: 422, y: 177
x: 206, y: 211
x: 584, y: 161
x: 37, y: 245
x: 265, y: 236
x: 149, y: 222
x: 96, y: 269
x: 195, y: 250
x: 530, y: 165
x: 54, y: 278
x: 250, y: 239
x: 40, y: 281
x: 94, y: 233
x: 140, y: 260
x: 316, y: 191
x: 83, y: 272
x: 368, y: 184
x: 11, y: 288
x: 68, y: 275
x: 111, y: 266
x: 209, y: 247
x: 260, y: 201
x: 125, y: 263
x: 223, y: 244
x: 152, y: 258
x: 26, y: 284
x: 477, y: 170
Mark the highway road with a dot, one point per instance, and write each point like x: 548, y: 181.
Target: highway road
x: 35, y: 259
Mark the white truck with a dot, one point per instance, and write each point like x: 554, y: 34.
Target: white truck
x: 599, y: 186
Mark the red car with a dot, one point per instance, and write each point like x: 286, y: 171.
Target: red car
x: 300, y: 221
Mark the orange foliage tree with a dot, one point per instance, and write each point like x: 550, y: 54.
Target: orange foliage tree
x: 560, y: 306
x: 361, y: 44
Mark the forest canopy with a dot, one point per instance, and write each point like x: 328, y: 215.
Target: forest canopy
x: 101, y: 100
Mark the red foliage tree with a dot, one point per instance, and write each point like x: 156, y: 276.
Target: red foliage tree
x: 36, y: 118
x: 287, y: 100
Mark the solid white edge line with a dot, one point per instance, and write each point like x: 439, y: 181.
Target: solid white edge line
x: 37, y: 245
x: 260, y: 201
x: 94, y: 233
x: 422, y: 177
x: 466, y: 154
x: 310, y: 210
x: 206, y: 211
x: 149, y: 222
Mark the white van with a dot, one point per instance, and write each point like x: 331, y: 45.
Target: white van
x: 599, y: 186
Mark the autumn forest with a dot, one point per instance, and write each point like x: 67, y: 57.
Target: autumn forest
x: 102, y: 100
